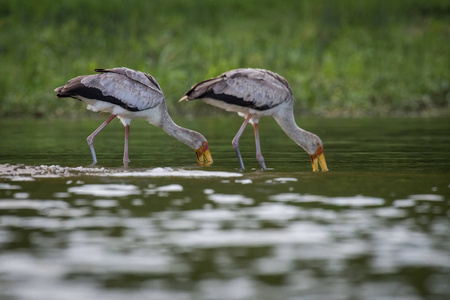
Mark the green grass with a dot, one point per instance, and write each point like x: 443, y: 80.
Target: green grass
x: 341, y: 58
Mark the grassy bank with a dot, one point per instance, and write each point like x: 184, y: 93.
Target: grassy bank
x: 341, y: 57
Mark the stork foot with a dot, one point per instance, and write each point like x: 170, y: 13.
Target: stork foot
x: 238, y: 154
x: 125, y: 163
x: 94, y: 157
x: 260, y: 159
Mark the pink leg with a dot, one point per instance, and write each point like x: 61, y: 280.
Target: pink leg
x: 126, y: 160
x: 90, y: 139
x: 236, y: 138
x: 259, y: 156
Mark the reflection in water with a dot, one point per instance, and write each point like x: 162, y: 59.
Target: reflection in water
x: 185, y: 232
x: 171, y: 242
x: 338, y: 201
x: 105, y: 190
x: 169, y: 172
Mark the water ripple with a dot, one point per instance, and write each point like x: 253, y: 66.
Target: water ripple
x: 230, y: 199
x: 356, y: 201
x: 169, y: 172
x: 105, y: 190
x: 7, y: 204
x: 295, y: 234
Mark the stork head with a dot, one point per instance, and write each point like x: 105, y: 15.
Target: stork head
x: 314, y: 147
x: 318, y: 158
x: 203, y: 154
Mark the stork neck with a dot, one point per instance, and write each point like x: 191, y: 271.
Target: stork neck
x: 184, y: 135
x: 297, y: 134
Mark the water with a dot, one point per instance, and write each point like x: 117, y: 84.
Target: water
x: 374, y: 227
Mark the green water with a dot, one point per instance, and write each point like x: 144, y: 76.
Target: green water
x: 374, y: 227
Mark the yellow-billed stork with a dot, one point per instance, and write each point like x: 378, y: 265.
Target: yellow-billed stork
x: 130, y: 94
x: 256, y: 93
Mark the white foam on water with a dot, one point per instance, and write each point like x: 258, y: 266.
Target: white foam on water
x: 307, y: 234
x: 274, y: 212
x: 61, y: 195
x: 7, y: 186
x: 281, y: 180
x: 47, y: 176
x: 391, y: 212
x: 244, y: 181
x: 105, y: 203
x: 272, y: 266
x: 397, y: 247
x: 230, y: 199
x: 285, y: 179
x: 28, y: 173
x: 427, y: 197
x: 31, y: 204
x: 137, y: 202
x: 21, y: 195
x: 208, y: 191
x: 165, y: 188
x: 179, y: 225
x: 216, y: 215
x: 20, y: 178
x: 105, y: 190
x: 169, y: 172
x: 231, y: 289
x: 295, y: 197
x: 355, y: 201
x: 404, y: 203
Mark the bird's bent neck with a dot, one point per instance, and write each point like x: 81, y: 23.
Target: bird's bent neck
x: 297, y: 134
x: 184, y: 135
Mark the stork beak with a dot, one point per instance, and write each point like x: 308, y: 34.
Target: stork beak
x: 204, y: 157
x: 318, y: 158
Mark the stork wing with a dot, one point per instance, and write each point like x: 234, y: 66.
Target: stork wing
x: 254, y: 88
x: 132, y: 88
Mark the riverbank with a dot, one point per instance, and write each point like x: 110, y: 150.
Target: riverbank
x: 344, y: 58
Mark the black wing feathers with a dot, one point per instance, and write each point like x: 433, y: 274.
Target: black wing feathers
x: 74, y: 88
x: 231, y: 99
x: 127, y: 88
x: 252, y: 88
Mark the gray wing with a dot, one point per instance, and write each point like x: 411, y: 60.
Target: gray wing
x: 133, y: 89
x: 255, y: 88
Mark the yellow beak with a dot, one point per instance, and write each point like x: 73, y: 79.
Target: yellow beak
x: 203, y: 154
x: 318, y: 158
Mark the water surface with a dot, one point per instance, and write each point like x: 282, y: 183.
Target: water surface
x: 374, y: 227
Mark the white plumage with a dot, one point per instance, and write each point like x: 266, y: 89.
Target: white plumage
x: 255, y: 93
x: 130, y: 94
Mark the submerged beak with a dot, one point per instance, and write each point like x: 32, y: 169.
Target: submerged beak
x: 204, y: 157
x: 318, y: 158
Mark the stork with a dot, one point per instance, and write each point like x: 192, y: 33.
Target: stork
x: 130, y: 94
x: 256, y: 93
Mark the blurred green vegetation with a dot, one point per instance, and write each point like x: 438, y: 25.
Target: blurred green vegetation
x: 341, y: 58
